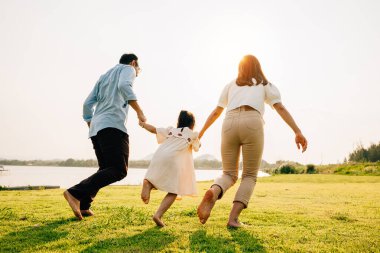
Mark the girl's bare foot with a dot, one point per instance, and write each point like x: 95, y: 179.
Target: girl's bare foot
x: 74, y: 204
x: 145, y: 192
x: 158, y: 221
x: 204, y: 209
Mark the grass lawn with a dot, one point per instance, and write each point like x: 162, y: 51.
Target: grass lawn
x: 288, y: 213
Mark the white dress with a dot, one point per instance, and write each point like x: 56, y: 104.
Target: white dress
x: 172, y: 167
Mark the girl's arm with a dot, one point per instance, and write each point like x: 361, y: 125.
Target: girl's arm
x: 148, y: 127
x: 211, y: 119
x: 285, y: 115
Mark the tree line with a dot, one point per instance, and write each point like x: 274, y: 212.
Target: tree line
x: 361, y: 154
x: 199, y: 164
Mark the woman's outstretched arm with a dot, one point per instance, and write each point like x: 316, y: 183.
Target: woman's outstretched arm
x: 285, y: 115
x: 211, y: 119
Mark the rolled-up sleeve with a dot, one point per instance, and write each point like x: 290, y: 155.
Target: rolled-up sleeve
x: 223, y: 99
x: 126, y: 79
x: 90, y: 102
x: 272, y: 95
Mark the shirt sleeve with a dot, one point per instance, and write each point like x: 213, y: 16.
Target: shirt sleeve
x: 223, y: 99
x: 162, y: 134
x: 126, y: 79
x: 90, y: 103
x: 196, y: 144
x: 272, y: 95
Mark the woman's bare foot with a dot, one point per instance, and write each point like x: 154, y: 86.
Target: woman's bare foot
x: 74, y: 204
x: 88, y: 212
x: 158, y: 221
x: 145, y: 192
x: 204, y: 209
x: 235, y: 224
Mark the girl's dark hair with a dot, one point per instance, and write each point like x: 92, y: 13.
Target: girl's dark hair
x: 127, y: 58
x: 249, y: 67
x: 186, y: 119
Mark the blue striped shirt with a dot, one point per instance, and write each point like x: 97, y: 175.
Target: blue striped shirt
x: 107, y: 104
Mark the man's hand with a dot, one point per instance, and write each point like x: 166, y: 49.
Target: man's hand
x: 141, y: 117
x: 141, y: 123
x: 89, y: 124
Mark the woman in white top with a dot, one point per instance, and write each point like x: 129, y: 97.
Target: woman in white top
x: 243, y: 130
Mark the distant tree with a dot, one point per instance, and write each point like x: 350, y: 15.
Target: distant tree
x: 207, y: 164
x: 374, y: 153
x: 360, y: 154
x: 310, y: 169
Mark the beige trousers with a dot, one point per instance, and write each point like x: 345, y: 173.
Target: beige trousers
x: 242, y: 130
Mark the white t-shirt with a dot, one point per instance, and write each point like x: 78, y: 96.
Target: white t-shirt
x: 234, y: 96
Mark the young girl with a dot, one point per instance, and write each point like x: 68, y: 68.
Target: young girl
x: 172, y: 168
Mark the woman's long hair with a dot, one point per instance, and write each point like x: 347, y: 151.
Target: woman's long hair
x: 249, y: 67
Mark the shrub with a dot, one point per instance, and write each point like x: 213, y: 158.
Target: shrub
x: 286, y: 169
x: 310, y: 169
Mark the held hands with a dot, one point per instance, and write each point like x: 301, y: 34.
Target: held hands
x: 301, y: 141
x: 141, y: 123
x: 141, y: 118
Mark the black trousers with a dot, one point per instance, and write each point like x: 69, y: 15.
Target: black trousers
x: 112, y: 151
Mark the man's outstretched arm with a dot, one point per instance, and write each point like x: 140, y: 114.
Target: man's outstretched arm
x: 136, y: 107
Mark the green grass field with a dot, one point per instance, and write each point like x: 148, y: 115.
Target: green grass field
x: 288, y: 213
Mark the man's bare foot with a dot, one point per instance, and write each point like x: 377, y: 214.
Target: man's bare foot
x: 145, y: 192
x: 88, y: 212
x: 158, y: 221
x: 204, y: 209
x: 73, y: 203
x: 235, y: 224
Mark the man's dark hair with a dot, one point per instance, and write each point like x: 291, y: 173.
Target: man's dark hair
x: 127, y: 58
x: 186, y: 119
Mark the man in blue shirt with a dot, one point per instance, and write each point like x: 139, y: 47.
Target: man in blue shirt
x: 105, y: 111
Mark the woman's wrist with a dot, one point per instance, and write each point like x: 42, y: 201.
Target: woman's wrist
x: 296, y: 130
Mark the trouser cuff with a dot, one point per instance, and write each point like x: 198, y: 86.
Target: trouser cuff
x: 245, y: 203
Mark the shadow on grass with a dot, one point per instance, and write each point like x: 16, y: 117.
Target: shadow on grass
x: 201, y: 242
x: 151, y: 240
x: 246, y: 241
x: 33, y: 236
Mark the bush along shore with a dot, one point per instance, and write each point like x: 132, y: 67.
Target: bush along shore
x: 349, y: 168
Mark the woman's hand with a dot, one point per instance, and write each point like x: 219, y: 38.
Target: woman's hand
x: 210, y: 120
x: 285, y: 115
x: 301, y: 141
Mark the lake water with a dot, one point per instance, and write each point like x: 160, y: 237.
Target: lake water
x: 68, y: 176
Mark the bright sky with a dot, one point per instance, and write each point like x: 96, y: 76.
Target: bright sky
x: 324, y: 56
